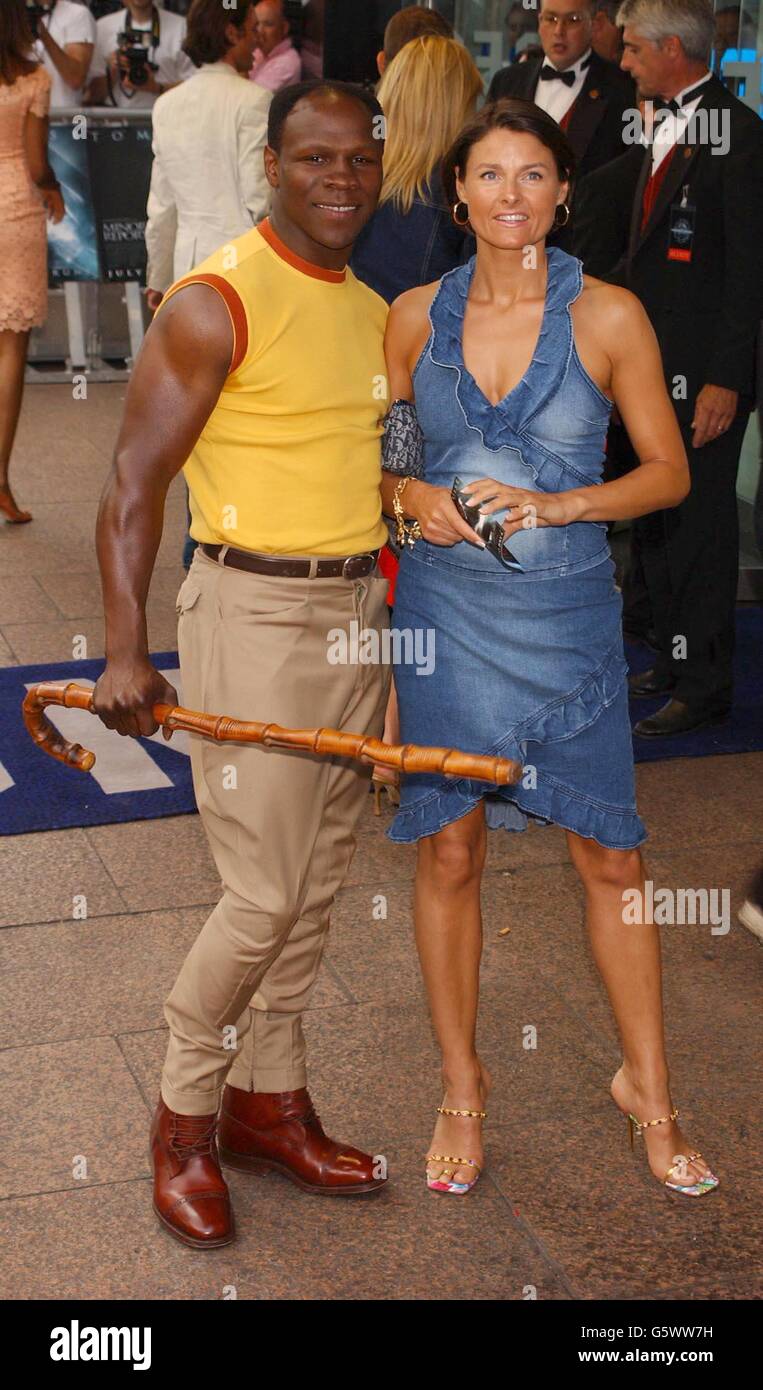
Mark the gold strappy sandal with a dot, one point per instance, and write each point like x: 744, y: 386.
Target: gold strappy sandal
x: 697, y: 1189
x: 442, y: 1183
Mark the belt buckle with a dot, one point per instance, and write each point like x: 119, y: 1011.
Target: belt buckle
x: 350, y: 570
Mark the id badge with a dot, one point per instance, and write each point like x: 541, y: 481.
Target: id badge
x: 681, y: 232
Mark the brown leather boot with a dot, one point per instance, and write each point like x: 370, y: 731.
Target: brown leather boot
x: 260, y: 1130
x: 190, y: 1193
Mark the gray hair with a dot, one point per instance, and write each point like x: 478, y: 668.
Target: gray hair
x: 690, y: 21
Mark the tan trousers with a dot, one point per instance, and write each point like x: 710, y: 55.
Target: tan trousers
x: 280, y: 823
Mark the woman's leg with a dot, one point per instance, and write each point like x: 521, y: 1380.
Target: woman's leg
x: 628, y: 958
x: 13, y: 351
x: 449, y: 939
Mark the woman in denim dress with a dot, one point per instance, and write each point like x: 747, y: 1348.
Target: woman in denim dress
x: 503, y: 373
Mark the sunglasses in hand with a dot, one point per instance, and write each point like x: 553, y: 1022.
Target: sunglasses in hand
x: 491, y: 532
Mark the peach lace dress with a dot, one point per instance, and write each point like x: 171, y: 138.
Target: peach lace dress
x: 23, y: 234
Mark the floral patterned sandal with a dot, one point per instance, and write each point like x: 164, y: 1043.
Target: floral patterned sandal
x: 696, y: 1189
x: 443, y: 1183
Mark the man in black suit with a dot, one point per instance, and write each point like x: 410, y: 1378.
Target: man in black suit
x: 586, y: 95
x: 690, y: 249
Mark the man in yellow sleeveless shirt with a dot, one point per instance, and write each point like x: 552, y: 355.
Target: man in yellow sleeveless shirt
x: 263, y: 377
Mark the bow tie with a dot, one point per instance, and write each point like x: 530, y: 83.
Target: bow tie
x: 547, y: 73
x: 675, y: 106
x: 667, y: 108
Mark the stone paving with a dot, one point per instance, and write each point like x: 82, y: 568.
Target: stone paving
x: 564, y: 1210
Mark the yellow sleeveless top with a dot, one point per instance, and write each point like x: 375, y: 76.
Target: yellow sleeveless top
x: 289, y: 461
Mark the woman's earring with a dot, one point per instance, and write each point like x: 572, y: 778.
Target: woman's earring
x: 459, y: 221
x: 566, y: 216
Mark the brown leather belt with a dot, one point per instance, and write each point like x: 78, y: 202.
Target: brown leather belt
x: 344, y: 567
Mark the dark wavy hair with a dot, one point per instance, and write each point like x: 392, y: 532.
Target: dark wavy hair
x: 16, y: 39
x: 205, y: 40
x: 510, y: 113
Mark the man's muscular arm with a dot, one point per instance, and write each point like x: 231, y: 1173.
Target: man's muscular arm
x: 179, y: 374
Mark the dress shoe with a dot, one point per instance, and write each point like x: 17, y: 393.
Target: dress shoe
x: 261, y: 1130
x: 190, y: 1193
x: 677, y: 718
x: 648, y: 684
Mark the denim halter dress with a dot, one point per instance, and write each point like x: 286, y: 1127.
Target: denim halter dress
x: 527, y: 664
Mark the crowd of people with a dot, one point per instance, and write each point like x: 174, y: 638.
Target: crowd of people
x: 557, y: 280
x: 126, y: 53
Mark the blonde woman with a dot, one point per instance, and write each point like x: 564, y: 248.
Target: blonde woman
x: 427, y: 93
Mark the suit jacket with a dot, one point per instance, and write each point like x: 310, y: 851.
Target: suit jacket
x: 208, y: 182
x: 706, y: 311
x: 595, y: 130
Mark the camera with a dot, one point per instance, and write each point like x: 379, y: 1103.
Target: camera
x: 131, y: 47
x: 35, y: 13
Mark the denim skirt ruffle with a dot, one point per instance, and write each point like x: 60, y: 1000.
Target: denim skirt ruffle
x: 523, y: 667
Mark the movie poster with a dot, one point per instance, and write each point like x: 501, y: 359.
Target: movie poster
x: 120, y: 176
x: 72, y: 243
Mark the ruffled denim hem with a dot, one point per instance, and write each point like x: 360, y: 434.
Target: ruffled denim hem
x: 572, y: 712
x: 610, y: 826
x: 551, y: 801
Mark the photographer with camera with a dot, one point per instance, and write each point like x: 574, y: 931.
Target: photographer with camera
x: 64, y: 43
x: 138, y: 55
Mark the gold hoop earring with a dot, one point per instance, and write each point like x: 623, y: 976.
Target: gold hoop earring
x: 566, y: 219
x: 455, y: 216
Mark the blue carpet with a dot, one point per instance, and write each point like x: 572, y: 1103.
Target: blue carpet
x: 743, y: 731
x: 139, y: 779
x: 133, y: 779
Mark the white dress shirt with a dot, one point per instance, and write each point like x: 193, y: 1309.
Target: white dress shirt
x: 173, y: 65
x: 674, y: 124
x: 556, y: 97
x: 67, y: 23
x: 208, y: 182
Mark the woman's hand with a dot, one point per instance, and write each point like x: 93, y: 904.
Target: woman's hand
x: 436, y: 513
x: 525, y: 509
x: 54, y: 204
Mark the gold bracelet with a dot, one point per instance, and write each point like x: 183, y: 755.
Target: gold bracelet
x: 408, y: 533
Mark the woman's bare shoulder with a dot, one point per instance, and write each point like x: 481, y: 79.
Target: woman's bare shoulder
x: 408, y: 322
x: 412, y: 306
x: 616, y: 303
x: 615, y: 313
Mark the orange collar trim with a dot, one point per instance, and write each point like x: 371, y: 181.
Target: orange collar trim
x: 318, y: 272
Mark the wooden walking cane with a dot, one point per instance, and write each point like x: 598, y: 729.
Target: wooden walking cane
x: 410, y: 757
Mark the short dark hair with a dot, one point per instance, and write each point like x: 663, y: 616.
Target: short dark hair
x: 510, y: 113
x: 286, y: 99
x: 205, y: 40
x: 414, y: 22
